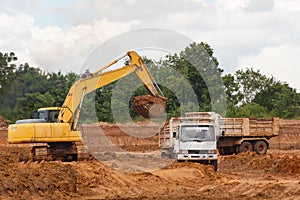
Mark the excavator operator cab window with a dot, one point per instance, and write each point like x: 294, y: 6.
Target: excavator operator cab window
x: 47, y: 115
x: 38, y: 115
x: 53, y: 115
x: 34, y: 115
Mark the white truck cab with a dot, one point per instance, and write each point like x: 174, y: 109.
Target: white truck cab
x: 192, y: 138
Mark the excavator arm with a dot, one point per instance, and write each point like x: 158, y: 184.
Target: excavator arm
x: 61, y: 135
x: 71, y: 107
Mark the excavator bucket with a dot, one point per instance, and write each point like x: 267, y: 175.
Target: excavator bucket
x: 149, y: 106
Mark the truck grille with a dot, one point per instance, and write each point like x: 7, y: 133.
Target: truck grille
x: 198, y: 151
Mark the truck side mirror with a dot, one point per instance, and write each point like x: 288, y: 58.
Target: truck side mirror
x: 223, y: 133
x: 174, y: 134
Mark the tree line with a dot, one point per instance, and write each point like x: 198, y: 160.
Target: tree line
x: 191, y: 80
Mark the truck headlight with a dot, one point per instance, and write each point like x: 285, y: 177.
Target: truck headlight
x: 183, y: 151
x: 212, y: 151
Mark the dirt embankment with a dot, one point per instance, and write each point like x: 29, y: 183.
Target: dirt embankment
x: 289, y: 135
x: 3, y: 124
x: 244, y: 176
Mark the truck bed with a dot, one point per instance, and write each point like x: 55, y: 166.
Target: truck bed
x: 237, y: 127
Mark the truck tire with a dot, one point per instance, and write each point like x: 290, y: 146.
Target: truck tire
x: 237, y: 149
x: 260, y: 147
x: 246, y: 147
x: 215, y: 164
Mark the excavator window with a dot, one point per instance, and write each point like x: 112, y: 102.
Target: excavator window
x: 47, y: 115
x: 41, y: 115
x: 53, y: 115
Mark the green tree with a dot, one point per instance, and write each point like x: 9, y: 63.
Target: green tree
x: 30, y: 102
x: 7, y: 69
x: 231, y: 89
x: 59, y: 85
x: 250, y: 83
x: 199, y: 67
x: 250, y: 110
x: 279, y: 99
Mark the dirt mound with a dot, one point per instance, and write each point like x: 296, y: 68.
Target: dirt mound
x: 37, y: 179
x: 133, y: 138
x: 93, y: 180
x: 289, y: 127
x: 244, y: 176
x: 206, y: 172
x: 3, y: 124
x: 27, y: 180
x: 285, y: 142
x: 289, y: 135
x: 149, y: 106
x: 275, y: 162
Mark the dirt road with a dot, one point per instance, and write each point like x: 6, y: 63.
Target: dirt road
x: 244, y: 176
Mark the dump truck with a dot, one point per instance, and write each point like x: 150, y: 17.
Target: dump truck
x: 53, y: 131
x: 201, y: 136
x: 192, y: 137
x: 246, y: 134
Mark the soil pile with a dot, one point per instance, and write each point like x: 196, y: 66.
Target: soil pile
x: 289, y: 135
x: 110, y: 137
x: 3, y: 125
x: 289, y: 127
x: 276, y: 162
x: 25, y: 180
x: 243, y: 176
x: 206, y: 172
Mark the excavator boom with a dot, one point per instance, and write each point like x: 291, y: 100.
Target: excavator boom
x: 98, y: 79
x: 57, y: 130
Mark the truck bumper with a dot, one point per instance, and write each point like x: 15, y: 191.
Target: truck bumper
x: 197, y: 157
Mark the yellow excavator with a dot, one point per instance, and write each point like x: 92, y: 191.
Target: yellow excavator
x: 53, y: 130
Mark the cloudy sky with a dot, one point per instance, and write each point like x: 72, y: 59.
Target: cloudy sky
x: 59, y: 35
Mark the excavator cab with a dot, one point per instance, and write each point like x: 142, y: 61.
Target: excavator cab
x: 48, y: 114
x: 42, y: 115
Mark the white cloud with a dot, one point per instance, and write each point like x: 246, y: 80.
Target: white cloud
x: 54, y: 48
x: 55, y: 35
x: 231, y: 5
x: 287, y: 5
x: 279, y: 61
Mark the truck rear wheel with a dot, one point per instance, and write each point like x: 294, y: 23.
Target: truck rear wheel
x: 260, y: 147
x: 246, y: 147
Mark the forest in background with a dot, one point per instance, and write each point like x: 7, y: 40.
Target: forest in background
x: 244, y: 93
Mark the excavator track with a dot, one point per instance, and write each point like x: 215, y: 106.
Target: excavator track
x: 39, y: 153
x: 60, y: 152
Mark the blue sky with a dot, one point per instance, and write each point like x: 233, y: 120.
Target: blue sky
x: 51, y: 13
x: 59, y: 35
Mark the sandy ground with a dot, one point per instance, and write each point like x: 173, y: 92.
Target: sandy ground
x: 244, y: 176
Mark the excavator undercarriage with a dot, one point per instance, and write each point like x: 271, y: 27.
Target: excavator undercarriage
x: 60, y: 151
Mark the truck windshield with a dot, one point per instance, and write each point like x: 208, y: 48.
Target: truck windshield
x: 197, y: 133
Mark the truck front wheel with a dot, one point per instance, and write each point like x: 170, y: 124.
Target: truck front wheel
x: 215, y: 164
x: 246, y: 147
x: 260, y: 147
